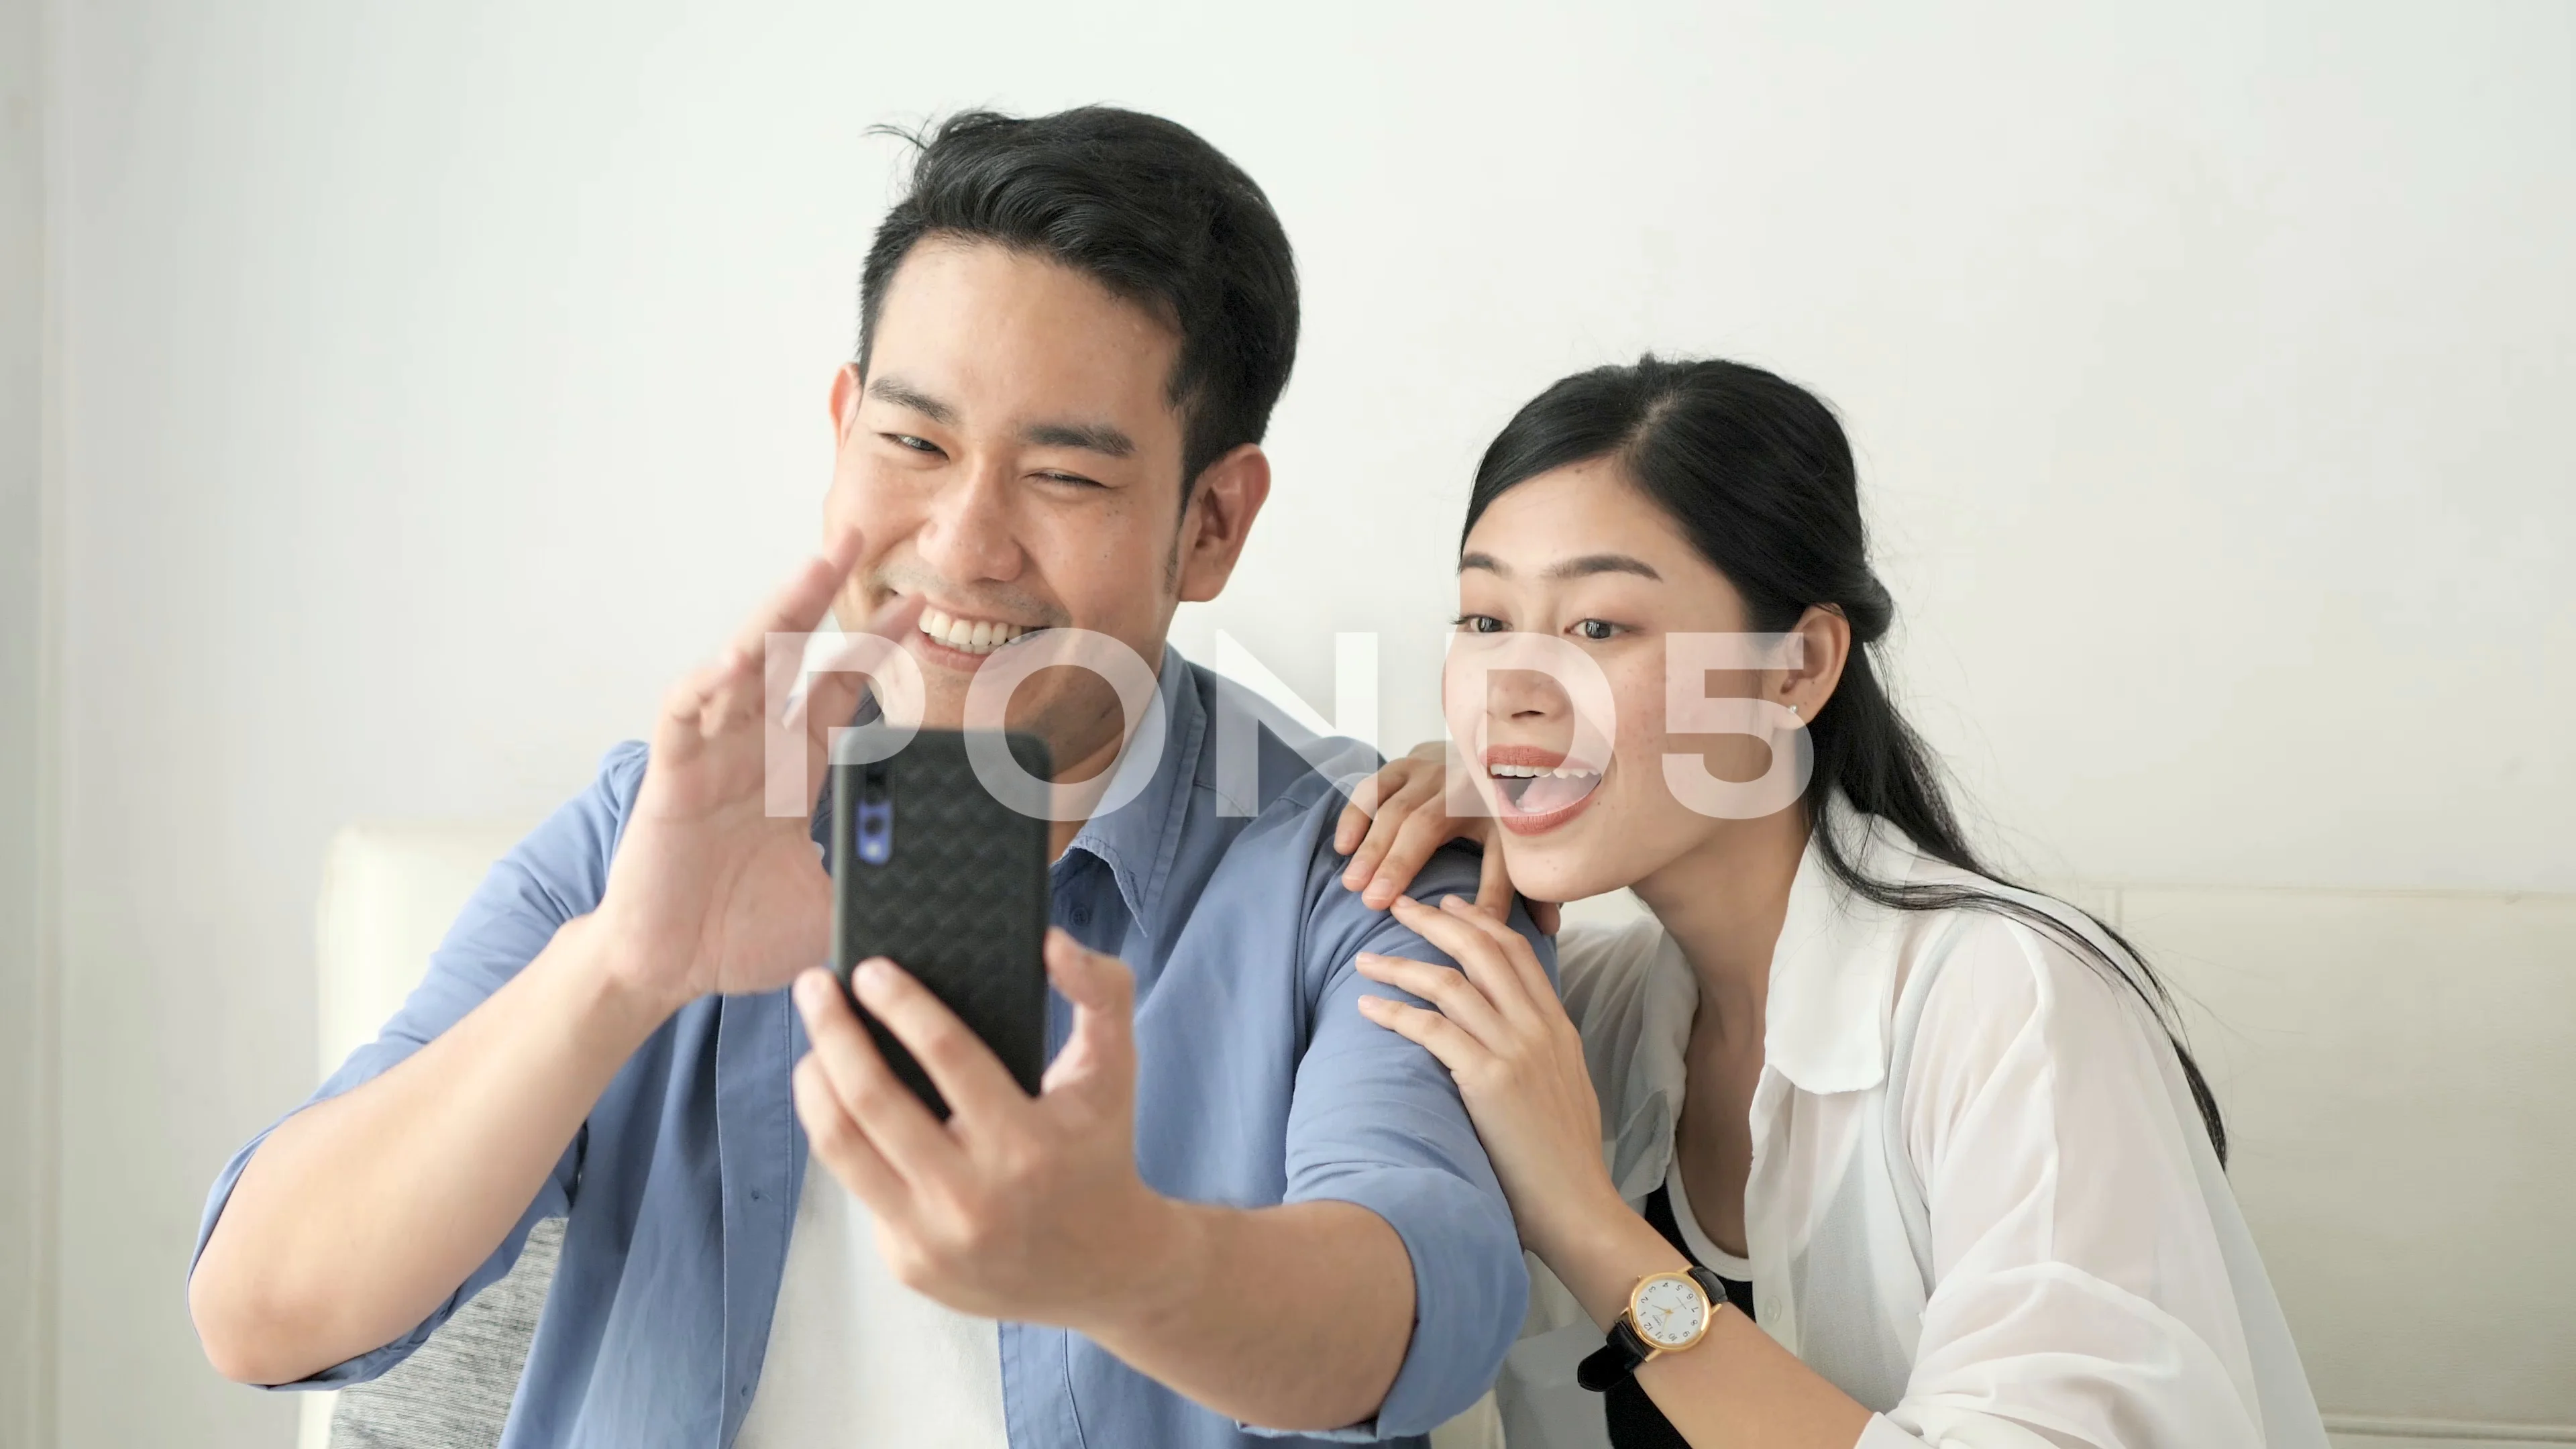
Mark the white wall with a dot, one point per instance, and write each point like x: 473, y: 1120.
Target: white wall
x: 27, y: 1106
x: 438, y: 381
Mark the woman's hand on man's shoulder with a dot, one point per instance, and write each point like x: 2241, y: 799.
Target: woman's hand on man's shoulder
x: 1398, y: 817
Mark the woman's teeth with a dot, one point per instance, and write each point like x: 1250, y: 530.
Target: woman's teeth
x: 968, y: 636
x: 1532, y: 790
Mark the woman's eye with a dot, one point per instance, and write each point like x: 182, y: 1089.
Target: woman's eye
x: 1480, y: 623
x: 1596, y: 629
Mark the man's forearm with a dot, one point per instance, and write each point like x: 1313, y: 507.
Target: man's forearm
x: 360, y: 1215
x: 1292, y: 1317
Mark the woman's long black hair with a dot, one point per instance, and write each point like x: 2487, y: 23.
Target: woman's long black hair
x: 1759, y: 476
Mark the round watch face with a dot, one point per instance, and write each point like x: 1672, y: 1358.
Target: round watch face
x: 1669, y: 1311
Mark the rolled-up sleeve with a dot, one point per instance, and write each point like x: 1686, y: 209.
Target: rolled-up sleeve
x: 558, y: 872
x: 1377, y: 1122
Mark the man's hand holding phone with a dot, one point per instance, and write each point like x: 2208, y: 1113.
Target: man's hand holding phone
x: 709, y: 892
x: 1016, y: 1207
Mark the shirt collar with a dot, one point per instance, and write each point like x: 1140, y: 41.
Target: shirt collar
x: 1139, y: 839
x: 1825, y: 1022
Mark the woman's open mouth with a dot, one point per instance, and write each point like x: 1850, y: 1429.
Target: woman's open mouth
x: 1537, y: 790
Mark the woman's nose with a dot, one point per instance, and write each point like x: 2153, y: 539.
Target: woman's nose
x: 1526, y: 694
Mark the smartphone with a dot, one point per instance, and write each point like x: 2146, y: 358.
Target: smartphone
x: 932, y: 872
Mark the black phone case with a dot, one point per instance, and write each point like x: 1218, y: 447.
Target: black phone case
x: 934, y: 874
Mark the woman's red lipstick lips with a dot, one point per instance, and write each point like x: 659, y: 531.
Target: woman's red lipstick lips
x: 1508, y: 813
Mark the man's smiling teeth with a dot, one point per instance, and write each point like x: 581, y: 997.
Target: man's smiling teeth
x: 1533, y: 772
x: 968, y: 636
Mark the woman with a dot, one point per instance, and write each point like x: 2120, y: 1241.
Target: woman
x: 1931, y: 1130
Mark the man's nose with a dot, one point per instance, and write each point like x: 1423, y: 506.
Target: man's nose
x: 971, y: 535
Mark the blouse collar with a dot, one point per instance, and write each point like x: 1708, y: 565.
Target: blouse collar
x: 1825, y: 1022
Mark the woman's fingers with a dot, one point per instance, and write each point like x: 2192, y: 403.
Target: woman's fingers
x: 1368, y: 801
x: 1424, y: 831
x: 1456, y: 930
x: 1358, y: 811
x: 1515, y: 949
x: 1494, y: 892
x: 1431, y: 1031
x: 1399, y: 798
x: 1494, y: 883
x: 1443, y: 986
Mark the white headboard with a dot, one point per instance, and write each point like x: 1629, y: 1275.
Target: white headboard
x: 388, y: 895
x: 2399, y: 1075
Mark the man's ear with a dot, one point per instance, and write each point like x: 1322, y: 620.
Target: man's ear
x: 1825, y: 643
x: 1214, y: 527
x: 845, y: 401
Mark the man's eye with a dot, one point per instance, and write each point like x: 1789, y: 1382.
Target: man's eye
x: 1596, y: 629
x: 907, y: 440
x: 1074, y: 480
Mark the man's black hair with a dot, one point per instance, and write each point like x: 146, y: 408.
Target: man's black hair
x: 1143, y: 206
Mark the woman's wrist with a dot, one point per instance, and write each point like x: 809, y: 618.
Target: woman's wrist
x: 1600, y: 1254
x: 1575, y: 1212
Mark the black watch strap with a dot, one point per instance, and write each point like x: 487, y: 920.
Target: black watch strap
x: 1626, y: 1349
x: 1612, y: 1361
x: 1710, y: 1284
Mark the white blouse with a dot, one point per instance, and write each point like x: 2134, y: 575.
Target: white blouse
x: 2075, y: 1272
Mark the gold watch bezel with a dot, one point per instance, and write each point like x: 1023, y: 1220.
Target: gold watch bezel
x: 1707, y: 1314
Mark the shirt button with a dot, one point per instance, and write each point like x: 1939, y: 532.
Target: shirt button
x: 1082, y: 915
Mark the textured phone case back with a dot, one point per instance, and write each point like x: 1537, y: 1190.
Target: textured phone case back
x: 933, y: 873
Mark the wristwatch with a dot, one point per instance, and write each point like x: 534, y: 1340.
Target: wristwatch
x: 1667, y: 1312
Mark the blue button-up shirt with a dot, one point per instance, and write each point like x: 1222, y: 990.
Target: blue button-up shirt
x: 1258, y: 1083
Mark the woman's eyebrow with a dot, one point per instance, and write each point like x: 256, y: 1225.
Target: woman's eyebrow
x: 1603, y: 563
x: 1572, y: 568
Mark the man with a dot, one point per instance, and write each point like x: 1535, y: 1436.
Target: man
x: 1235, y: 1202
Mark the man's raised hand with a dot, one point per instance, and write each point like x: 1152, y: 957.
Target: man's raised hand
x: 709, y: 892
